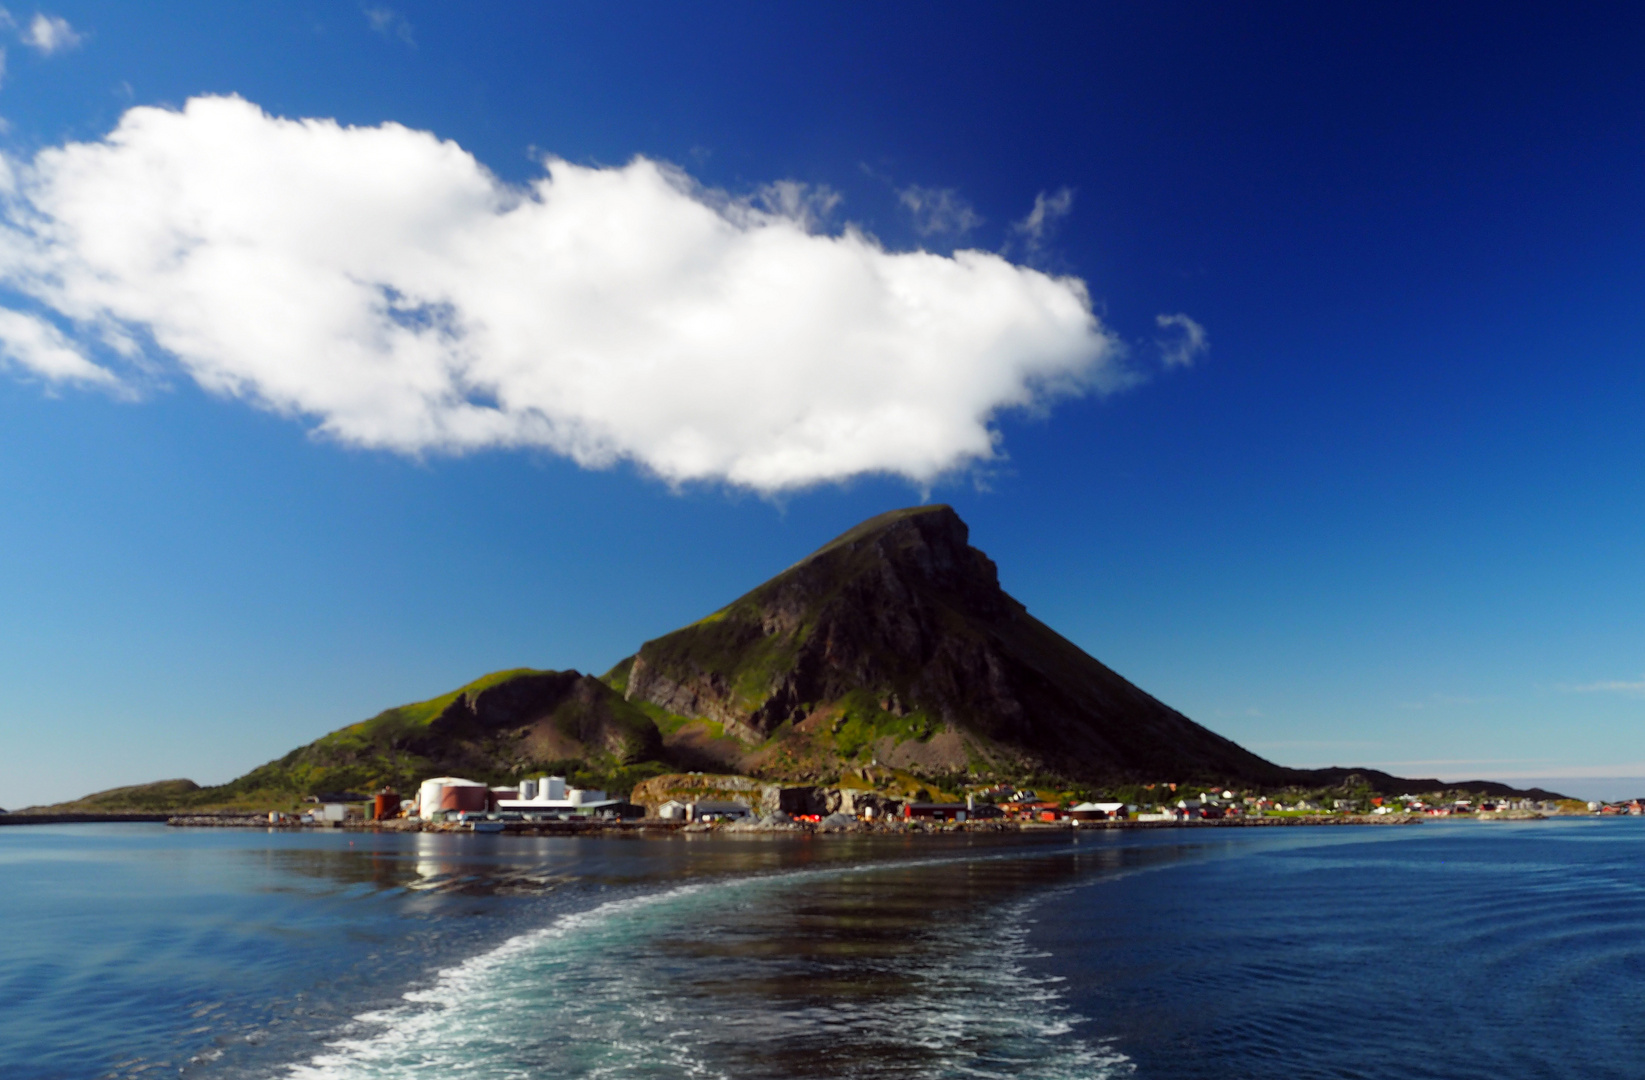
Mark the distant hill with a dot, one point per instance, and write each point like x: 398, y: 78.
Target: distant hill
x: 892, y: 647
x: 158, y: 796
x: 1387, y: 783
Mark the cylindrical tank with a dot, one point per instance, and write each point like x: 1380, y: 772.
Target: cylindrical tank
x: 428, y: 798
x: 385, y: 805
x: 447, y: 793
x: 465, y: 795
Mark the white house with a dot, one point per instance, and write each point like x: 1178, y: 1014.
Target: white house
x: 1092, y: 811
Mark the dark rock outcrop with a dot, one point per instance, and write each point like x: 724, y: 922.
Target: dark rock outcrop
x: 546, y: 716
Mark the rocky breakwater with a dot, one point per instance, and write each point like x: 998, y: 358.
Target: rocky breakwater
x: 26, y: 818
x: 231, y: 821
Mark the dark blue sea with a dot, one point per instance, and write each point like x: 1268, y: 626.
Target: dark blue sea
x: 1455, y: 950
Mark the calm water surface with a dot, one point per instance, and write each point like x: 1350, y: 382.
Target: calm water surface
x: 1447, y: 950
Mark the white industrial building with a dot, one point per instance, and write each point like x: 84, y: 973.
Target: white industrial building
x: 549, y: 794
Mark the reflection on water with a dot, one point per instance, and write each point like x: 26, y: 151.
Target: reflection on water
x: 1464, y: 951
x: 872, y: 957
x: 490, y: 863
x: 905, y: 970
x: 136, y: 949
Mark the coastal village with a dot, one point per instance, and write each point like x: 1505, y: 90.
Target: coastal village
x: 868, y: 798
x: 702, y: 802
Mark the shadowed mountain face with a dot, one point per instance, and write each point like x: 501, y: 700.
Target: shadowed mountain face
x: 898, y: 636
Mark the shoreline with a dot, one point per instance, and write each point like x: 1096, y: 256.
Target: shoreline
x: 81, y: 819
x: 653, y: 826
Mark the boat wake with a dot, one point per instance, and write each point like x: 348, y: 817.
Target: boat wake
x: 880, y: 971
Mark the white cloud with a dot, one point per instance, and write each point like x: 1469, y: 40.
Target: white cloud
x: 48, y: 34
x: 939, y: 211
x: 1185, y: 340
x: 42, y: 348
x: 809, y: 206
x: 383, y: 283
x: 390, y: 23
x: 1610, y: 686
x: 1038, y: 227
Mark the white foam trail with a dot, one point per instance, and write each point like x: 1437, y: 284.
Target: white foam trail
x: 461, y: 1025
x: 589, y: 996
x: 990, y: 992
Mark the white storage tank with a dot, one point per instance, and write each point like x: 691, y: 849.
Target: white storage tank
x: 428, y: 798
x: 451, y: 793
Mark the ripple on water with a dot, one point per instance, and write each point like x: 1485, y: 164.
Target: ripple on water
x: 1459, y: 951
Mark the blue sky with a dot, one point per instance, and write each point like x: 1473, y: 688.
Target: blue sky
x: 1392, y: 514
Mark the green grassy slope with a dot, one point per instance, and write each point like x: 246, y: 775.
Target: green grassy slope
x: 136, y: 798
x: 495, y: 729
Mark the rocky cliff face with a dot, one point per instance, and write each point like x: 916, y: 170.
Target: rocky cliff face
x: 896, y: 643
x: 545, y: 716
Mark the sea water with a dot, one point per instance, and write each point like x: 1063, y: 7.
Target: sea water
x: 1463, y: 950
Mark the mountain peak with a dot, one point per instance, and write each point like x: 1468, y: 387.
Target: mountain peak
x: 933, y: 523
x: 924, y: 546
x: 895, y: 643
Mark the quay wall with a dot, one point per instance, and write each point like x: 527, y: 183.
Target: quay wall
x: 76, y: 819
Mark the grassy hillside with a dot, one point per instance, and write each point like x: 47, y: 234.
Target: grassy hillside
x: 383, y: 751
x: 158, y: 796
x: 495, y: 729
